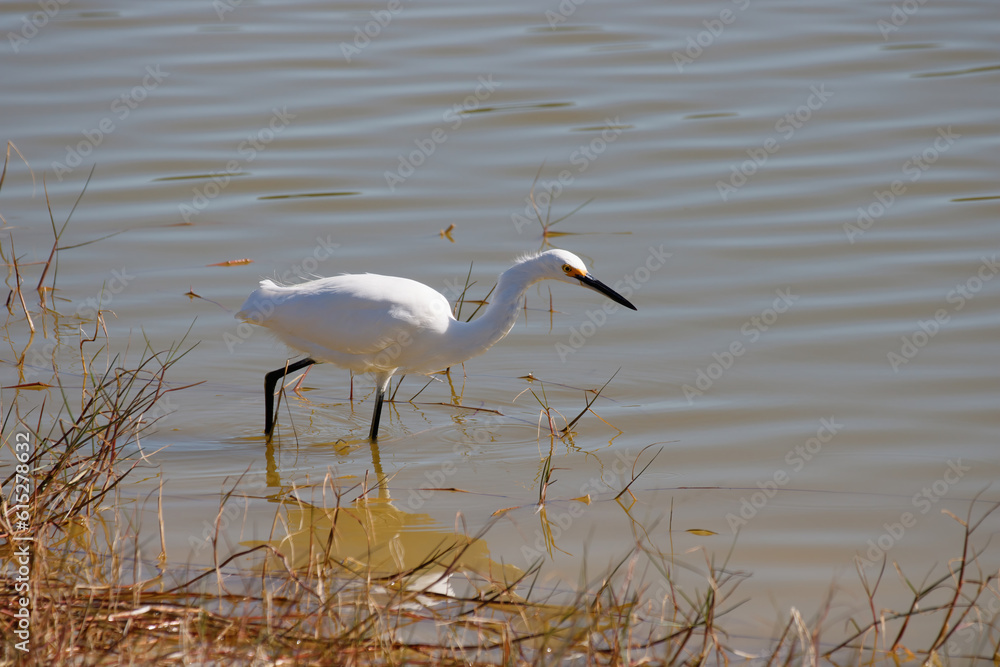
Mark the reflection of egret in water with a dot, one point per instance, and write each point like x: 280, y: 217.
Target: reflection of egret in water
x: 371, y: 568
x: 273, y: 474
x: 373, y: 538
x: 383, y: 325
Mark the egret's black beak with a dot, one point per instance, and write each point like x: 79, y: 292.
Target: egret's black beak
x: 598, y: 286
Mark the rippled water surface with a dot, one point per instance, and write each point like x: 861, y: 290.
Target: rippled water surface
x: 800, y: 197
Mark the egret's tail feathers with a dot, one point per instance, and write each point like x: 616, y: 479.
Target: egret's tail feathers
x: 258, y: 305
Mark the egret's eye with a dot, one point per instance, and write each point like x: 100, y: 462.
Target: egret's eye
x: 567, y: 269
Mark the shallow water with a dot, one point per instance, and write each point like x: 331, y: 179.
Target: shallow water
x: 802, y: 195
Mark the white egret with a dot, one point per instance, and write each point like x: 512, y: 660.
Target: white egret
x: 385, y: 325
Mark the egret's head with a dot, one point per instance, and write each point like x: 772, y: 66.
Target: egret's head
x: 567, y: 267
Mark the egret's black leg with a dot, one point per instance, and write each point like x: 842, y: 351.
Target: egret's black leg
x: 373, y: 435
x: 270, y: 380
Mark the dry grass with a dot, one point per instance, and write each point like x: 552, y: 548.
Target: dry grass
x: 101, y: 594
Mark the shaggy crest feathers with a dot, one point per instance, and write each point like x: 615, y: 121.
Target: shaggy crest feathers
x: 527, y: 257
x: 562, y: 255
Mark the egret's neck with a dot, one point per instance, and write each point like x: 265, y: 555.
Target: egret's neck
x: 473, y: 338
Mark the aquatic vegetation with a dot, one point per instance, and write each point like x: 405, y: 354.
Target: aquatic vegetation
x: 347, y: 581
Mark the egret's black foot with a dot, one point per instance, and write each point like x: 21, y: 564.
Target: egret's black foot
x: 270, y: 380
x: 373, y: 434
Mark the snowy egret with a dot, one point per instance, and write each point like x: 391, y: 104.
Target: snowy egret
x: 383, y: 325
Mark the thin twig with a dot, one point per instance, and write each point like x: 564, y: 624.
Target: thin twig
x: 3, y: 175
x: 58, y: 235
x: 17, y: 285
x: 590, y: 402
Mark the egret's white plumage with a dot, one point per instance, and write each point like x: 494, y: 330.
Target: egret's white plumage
x: 384, y: 325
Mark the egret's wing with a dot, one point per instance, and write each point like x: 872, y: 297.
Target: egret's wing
x: 351, y: 314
